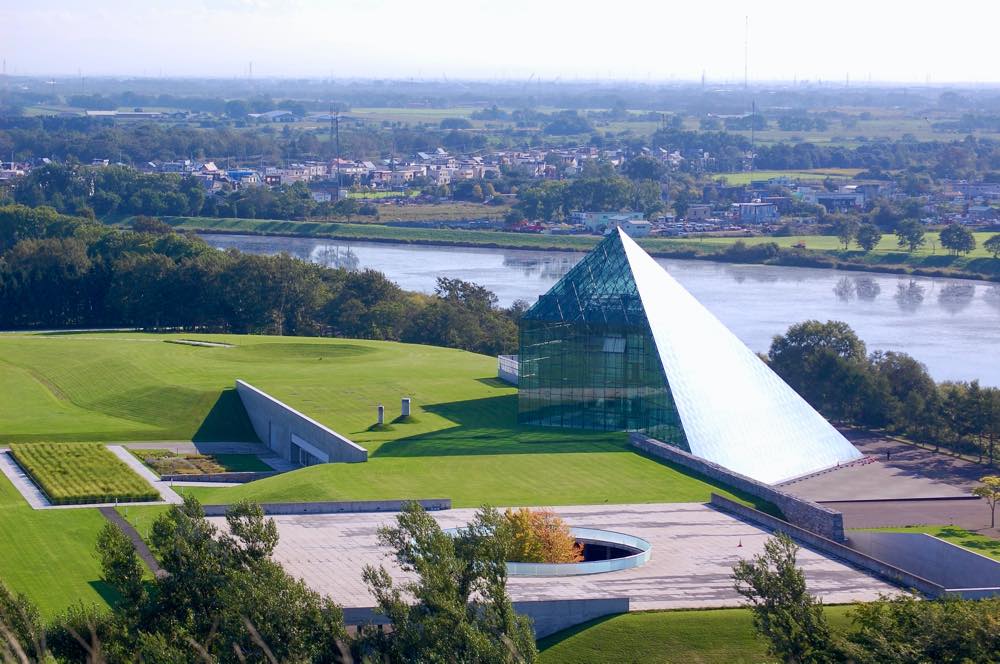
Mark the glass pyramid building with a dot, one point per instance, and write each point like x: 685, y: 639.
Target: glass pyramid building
x: 619, y: 345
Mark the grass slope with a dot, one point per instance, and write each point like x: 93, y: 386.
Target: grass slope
x: 461, y: 443
x: 73, y: 473
x: 718, y: 636
x: 49, y: 554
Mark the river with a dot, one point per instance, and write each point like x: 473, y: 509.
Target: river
x: 951, y: 325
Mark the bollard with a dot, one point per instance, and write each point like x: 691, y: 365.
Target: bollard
x: 405, y: 408
x: 381, y: 414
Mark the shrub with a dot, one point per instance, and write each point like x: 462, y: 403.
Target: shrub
x: 540, y: 536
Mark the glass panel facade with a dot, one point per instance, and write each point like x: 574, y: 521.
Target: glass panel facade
x: 587, y: 355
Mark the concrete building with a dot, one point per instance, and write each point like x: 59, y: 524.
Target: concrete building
x: 598, y: 222
x: 757, y: 213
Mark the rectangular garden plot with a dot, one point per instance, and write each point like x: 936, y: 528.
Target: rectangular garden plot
x: 74, y: 473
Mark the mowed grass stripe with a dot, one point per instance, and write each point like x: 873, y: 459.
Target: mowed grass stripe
x: 74, y: 473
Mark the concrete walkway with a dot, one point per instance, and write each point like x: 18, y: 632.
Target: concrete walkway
x: 112, y: 515
x: 22, y: 482
x: 168, y: 494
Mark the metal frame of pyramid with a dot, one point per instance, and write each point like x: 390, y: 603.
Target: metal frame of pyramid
x: 619, y: 344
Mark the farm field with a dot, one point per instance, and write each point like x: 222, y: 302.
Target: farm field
x: 74, y: 473
x: 717, y: 636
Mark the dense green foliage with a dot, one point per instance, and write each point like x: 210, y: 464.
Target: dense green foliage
x: 220, y: 598
x: 457, y: 608
x: 829, y: 366
x: 71, y: 473
x: 713, y: 636
x: 898, y: 630
x: 58, y: 271
x: 783, y: 611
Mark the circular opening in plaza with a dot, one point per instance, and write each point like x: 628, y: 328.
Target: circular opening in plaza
x: 603, y: 551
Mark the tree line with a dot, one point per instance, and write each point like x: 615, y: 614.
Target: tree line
x: 831, y: 368
x: 59, y: 271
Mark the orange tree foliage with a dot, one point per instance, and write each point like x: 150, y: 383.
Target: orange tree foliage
x: 540, y: 536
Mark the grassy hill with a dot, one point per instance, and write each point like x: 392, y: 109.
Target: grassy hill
x: 462, y: 441
x: 718, y: 636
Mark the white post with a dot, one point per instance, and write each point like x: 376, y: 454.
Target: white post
x: 381, y: 414
x: 405, y: 408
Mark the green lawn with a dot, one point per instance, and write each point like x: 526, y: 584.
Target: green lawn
x: 745, y: 177
x: 718, y: 636
x: 242, y: 463
x: 74, y: 473
x: 984, y: 544
x: 461, y: 442
x: 49, y: 554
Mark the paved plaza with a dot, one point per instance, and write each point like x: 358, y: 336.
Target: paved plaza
x: 892, y: 470
x: 694, y: 549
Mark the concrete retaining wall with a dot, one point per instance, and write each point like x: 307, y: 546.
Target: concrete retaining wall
x: 942, y: 562
x: 242, y: 476
x: 548, y: 616
x: 829, y: 547
x: 276, y: 423
x: 336, y: 507
x: 798, y: 511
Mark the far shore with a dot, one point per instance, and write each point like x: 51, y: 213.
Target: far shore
x: 713, y: 249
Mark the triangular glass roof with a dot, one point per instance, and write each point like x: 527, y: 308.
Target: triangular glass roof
x: 734, y: 409
x: 598, y: 289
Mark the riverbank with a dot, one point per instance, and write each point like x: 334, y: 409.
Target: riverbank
x: 818, y: 251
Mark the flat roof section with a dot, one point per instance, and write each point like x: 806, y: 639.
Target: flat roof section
x: 694, y: 549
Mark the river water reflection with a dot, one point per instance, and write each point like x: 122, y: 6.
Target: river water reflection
x: 953, y: 326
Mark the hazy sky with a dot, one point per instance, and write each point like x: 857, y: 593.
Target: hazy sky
x: 653, y: 40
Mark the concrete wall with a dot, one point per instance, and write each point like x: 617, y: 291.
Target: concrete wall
x: 798, y: 511
x: 235, y: 476
x: 508, y: 368
x: 275, y: 423
x: 339, y: 506
x: 827, y: 546
x: 548, y: 616
x: 937, y: 560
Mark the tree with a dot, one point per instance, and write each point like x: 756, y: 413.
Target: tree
x: 958, y: 239
x: 643, y: 167
x: 989, y: 491
x: 121, y: 569
x: 846, y: 229
x: 456, y: 609
x: 783, y: 611
x: 907, y: 629
x: 22, y: 634
x: 868, y: 237
x: 910, y: 234
x: 992, y: 245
